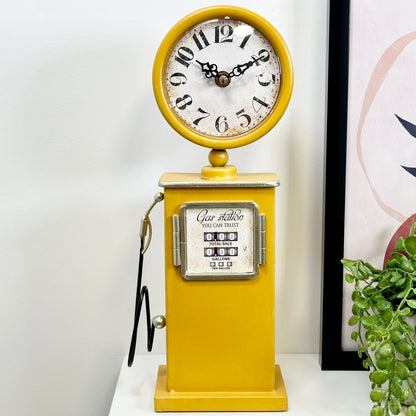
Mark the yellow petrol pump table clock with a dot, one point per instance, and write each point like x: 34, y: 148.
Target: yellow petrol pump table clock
x: 222, y: 78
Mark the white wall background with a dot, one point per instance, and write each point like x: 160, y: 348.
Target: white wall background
x: 82, y: 148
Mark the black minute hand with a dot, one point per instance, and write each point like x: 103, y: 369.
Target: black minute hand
x: 240, y: 69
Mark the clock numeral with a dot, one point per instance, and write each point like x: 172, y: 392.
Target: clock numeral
x: 177, y: 78
x: 184, y: 56
x: 240, y: 114
x: 206, y: 114
x: 221, y: 124
x: 257, y: 104
x: 264, y: 56
x: 244, y: 41
x: 183, y: 102
x: 202, y: 38
x: 223, y: 34
x: 266, y: 83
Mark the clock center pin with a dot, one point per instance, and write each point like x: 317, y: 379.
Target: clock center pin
x: 223, y: 79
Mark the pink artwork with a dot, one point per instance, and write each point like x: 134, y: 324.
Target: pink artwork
x: 381, y: 71
x: 380, y: 195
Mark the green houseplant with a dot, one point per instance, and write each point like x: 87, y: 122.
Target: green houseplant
x: 383, y: 303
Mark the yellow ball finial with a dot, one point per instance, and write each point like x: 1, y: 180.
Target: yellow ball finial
x: 218, y: 169
x: 218, y: 158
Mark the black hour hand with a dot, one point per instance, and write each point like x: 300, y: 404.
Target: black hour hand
x: 210, y: 70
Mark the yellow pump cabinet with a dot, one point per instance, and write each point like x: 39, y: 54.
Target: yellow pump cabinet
x: 220, y: 295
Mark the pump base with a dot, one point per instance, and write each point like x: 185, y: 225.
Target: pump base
x: 168, y: 401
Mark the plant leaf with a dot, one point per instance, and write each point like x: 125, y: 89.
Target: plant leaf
x: 399, y: 246
x: 384, y: 305
x: 369, y: 321
x: 405, y: 311
x: 379, y: 331
x: 384, y: 283
x: 411, y: 303
x: 369, y: 291
x: 360, y: 351
x: 387, y: 316
x: 407, y: 265
x: 412, y: 228
x: 362, y: 303
x: 410, y: 364
x: 348, y: 264
x: 353, y: 320
x: 379, y: 377
x: 407, y: 328
x: 401, y: 281
x: 410, y: 245
x: 392, y: 263
x: 372, y: 268
x: 395, y: 276
x: 402, y: 294
x: 349, y: 278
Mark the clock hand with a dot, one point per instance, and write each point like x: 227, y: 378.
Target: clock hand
x: 210, y: 70
x: 222, y: 78
x: 240, y: 69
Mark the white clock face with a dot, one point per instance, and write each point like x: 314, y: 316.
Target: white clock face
x: 222, y: 78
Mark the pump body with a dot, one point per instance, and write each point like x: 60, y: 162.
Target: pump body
x: 220, y: 295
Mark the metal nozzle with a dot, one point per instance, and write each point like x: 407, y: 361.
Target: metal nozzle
x: 145, y: 223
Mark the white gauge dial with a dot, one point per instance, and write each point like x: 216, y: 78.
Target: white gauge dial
x: 219, y: 240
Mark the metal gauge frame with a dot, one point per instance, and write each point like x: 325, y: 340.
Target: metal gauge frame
x: 183, y: 243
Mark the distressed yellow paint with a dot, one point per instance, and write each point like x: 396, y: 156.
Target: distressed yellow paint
x: 220, y: 333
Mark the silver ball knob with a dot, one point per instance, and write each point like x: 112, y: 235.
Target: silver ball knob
x: 158, y: 197
x: 159, y: 321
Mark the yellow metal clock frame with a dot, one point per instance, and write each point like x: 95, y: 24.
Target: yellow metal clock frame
x: 211, y: 13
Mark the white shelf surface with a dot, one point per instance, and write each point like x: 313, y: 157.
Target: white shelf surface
x: 310, y: 391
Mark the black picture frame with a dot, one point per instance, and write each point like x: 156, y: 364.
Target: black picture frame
x: 332, y: 356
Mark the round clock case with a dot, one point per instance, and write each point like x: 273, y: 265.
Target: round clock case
x: 222, y: 77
